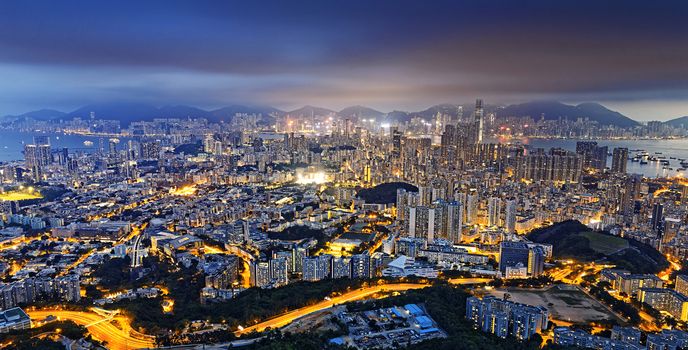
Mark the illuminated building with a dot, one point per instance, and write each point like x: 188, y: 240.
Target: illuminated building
x: 619, y: 160
x: 503, y: 318
x: 14, y: 319
x: 316, y: 268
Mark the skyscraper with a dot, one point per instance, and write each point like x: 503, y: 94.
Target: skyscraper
x: 657, y: 216
x: 510, y: 216
x: 619, y: 160
x: 494, y: 208
x: 479, y: 116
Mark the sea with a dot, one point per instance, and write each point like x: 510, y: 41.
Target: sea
x: 12, y: 147
x: 675, y: 148
x: 12, y: 143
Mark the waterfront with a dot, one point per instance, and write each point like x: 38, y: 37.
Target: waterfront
x: 12, y: 144
x: 677, y: 148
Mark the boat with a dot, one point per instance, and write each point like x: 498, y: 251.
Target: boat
x: 635, y: 159
x: 643, y: 162
x: 672, y: 157
x: 664, y: 162
x: 681, y: 169
x: 88, y: 143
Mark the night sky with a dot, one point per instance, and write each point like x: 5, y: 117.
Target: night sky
x: 630, y: 55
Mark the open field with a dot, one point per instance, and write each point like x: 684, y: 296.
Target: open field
x: 565, y: 303
x: 605, y: 244
x: 19, y: 196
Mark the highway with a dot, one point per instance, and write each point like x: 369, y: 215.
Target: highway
x: 99, y: 327
x: 358, y: 294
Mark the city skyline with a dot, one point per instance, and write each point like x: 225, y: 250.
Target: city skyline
x: 407, y: 57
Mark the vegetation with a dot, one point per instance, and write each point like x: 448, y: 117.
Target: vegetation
x: 447, y: 306
x: 573, y: 240
x: 249, y: 307
x: 384, y: 193
x: 296, y: 233
x: 39, y: 337
x: 189, y: 148
x: 623, y: 308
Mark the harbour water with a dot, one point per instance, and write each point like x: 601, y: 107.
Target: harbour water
x: 12, y: 146
x: 677, y: 149
x: 12, y: 143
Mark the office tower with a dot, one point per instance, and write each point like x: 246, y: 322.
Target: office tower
x: 478, y: 122
x: 112, y: 146
x: 494, y: 208
x: 657, y: 218
x: 619, y: 160
x: 36, y: 157
x: 512, y: 254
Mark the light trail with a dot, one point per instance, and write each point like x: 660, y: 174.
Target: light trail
x: 358, y: 294
x: 101, y: 328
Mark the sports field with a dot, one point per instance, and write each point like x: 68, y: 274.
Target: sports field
x: 565, y: 303
x: 19, y: 196
x: 605, y: 244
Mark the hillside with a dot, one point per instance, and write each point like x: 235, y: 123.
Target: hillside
x: 573, y: 240
x: 361, y: 112
x: 677, y: 122
x: 552, y: 110
x: 384, y: 193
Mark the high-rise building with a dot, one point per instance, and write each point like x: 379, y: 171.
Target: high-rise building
x: 594, y: 156
x: 316, y: 268
x: 510, y: 216
x: 360, y: 266
x: 520, y: 254
x: 454, y: 219
x: 657, y: 218
x: 494, y: 208
x: 479, y: 120
x: 619, y: 160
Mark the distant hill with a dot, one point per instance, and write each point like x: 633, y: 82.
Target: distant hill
x: 307, y: 111
x: 41, y: 114
x: 573, y: 240
x: 553, y: 110
x: 361, y: 112
x: 384, y: 193
x: 448, y: 109
x: 678, y: 122
x: 129, y: 112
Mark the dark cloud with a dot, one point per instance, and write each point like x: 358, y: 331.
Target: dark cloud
x: 388, y: 54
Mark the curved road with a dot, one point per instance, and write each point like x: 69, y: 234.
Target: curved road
x: 358, y: 294
x: 99, y: 327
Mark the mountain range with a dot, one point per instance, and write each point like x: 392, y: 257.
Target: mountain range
x: 130, y: 112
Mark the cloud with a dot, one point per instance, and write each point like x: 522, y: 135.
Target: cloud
x: 403, y: 55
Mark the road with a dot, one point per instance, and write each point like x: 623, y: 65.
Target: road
x: 99, y: 327
x: 358, y: 294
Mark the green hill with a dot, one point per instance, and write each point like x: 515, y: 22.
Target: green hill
x: 384, y: 193
x: 573, y: 240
